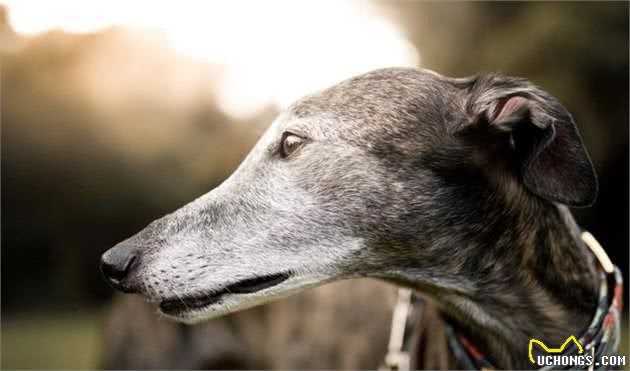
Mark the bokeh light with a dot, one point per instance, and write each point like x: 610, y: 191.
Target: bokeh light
x: 272, y: 52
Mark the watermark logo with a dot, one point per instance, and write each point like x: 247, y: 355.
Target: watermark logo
x: 553, y: 350
x: 554, y: 356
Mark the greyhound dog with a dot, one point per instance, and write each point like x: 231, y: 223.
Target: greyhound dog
x: 455, y: 187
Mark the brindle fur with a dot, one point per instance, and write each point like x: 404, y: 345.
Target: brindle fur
x: 454, y: 187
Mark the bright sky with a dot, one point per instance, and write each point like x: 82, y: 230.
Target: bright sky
x: 274, y: 50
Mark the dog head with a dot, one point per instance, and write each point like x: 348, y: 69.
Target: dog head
x: 366, y: 178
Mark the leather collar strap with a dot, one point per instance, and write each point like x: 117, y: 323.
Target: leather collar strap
x: 600, y: 338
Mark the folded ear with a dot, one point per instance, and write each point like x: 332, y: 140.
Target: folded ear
x: 541, y: 137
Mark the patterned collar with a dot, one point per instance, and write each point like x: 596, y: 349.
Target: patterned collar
x: 600, y: 338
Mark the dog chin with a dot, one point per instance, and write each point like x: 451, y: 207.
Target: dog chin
x: 230, y: 303
x: 226, y: 306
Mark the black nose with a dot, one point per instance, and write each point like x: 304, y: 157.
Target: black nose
x: 117, y: 262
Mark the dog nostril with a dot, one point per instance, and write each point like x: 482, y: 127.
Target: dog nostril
x: 117, y: 262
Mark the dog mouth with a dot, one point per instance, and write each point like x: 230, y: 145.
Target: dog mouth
x: 183, y: 304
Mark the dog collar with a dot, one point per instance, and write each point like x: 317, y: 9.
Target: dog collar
x: 397, y: 358
x: 600, y: 338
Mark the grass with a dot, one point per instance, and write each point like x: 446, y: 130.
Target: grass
x: 59, y: 341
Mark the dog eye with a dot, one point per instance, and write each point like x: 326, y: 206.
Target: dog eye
x: 290, y: 143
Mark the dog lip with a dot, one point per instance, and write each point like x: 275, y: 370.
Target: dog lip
x: 247, y: 286
x: 180, y: 305
x: 251, y: 285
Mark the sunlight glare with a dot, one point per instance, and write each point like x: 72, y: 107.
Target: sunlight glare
x: 273, y: 51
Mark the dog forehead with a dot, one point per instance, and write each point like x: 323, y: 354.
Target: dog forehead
x: 383, y: 102
x: 375, y: 92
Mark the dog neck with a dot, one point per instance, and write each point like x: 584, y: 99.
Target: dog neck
x: 525, y: 275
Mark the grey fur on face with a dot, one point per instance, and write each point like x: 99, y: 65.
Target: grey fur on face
x: 400, y: 174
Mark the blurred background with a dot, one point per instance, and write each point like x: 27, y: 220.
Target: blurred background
x: 117, y: 112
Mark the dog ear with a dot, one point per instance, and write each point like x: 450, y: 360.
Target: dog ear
x: 539, y: 134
